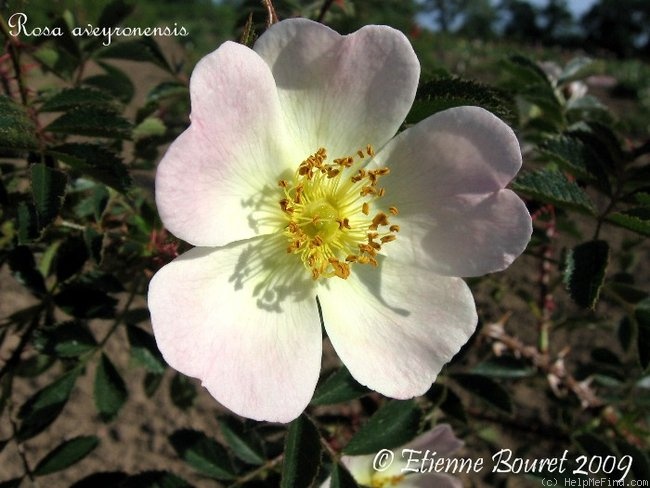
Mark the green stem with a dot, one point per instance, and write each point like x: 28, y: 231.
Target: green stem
x: 24, y: 340
x: 21, y: 454
x: 267, y: 466
x: 326, y: 6
x: 118, y: 320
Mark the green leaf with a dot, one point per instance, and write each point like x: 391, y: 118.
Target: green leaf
x: 93, y: 204
x: 85, y: 301
x: 302, y: 454
x: 98, y: 162
x: 640, y: 461
x: 526, y: 70
x: 66, y: 454
x: 94, y: 242
x: 642, y: 198
x: 151, y: 383
x: 108, y: 479
x: 114, y: 82
x: 149, y: 127
x: 58, y: 61
x: 155, y: 479
x: 92, y: 122
x: 12, y: 483
x: 6, y: 384
x: 144, y: 350
x: 48, y: 191
x: 486, y: 389
x: 504, y: 367
x: 625, y: 333
x: 34, y: 366
x: 182, y: 391
x: 448, y: 401
x: 444, y: 93
x: 40, y: 410
x: 246, y: 445
x: 67, y: 340
x: 143, y: 49
x: 592, y: 445
x: 636, y: 219
x: 109, y: 390
x: 341, y: 478
x: 338, y: 388
x: 114, y: 13
x: 529, y: 81
x: 204, y: 454
x: 578, y: 68
x: 584, y: 274
x: 553, y: 187
x: 71, y: 98
x: 642, y: 316
x: 70, y: 257
x: 17, y: 130
x: 27, y: 222
x: 167, y: 89
x: 627, y: 292
x: 23, y: 267
x: 576, y: 156
x: 393, y: 425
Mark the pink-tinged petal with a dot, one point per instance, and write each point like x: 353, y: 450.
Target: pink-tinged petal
x: 233, y: 151
x: 447, y: 179
x: 396, y: 326
x: 340, y: 92
x: 251, y: 335
x: 360, y: 467
x: 440, y: 439
x: 463, y: 150
x: 468, y: 235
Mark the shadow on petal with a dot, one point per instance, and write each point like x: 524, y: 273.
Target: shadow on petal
x: 275, y: 275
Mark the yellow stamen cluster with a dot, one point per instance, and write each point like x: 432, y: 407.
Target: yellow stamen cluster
x: 327, y: 207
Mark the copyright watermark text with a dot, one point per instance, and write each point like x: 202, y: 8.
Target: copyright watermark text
x: 599, y: 470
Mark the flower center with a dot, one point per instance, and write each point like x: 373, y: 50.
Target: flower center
x: 328, y: 214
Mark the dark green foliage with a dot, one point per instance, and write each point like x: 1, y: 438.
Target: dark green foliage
x: 393, y: 425
x: 93, y: 122
x: 144, y: 350
x: 440, y: 94
x: 66, y: 454
x: 486, y: 389
x: 339, y: 387
x: 182, y: 391
x: 155, y: 479
x: 554, y: 187
x: 40, y: 410
x: 16, y: 128
x: 85, y: 301
x: 341, y: 478
x: 585, y: 272
x: 244, y: 443
x: 143, y: 49
x: 48, y: 190
x: 302, y: 453
x: 66, y: 340
x: 205, y: 455
x: 109, y: 389
x: 101, y: 480
x: 96, y: 161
